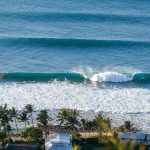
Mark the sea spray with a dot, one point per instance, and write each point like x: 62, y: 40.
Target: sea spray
x: 111, y: 77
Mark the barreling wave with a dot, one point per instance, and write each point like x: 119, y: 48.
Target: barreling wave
x: 97, y: 77
x: 71, y: 42
x: 120, y: 77
x: 21, y: 76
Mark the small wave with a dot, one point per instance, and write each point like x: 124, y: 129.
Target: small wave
x: 74, y: 16
x: 32, y: 41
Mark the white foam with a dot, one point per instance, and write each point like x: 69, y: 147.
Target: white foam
x: 56, y: 95
x: 111, y: 77
x: 82, y: 96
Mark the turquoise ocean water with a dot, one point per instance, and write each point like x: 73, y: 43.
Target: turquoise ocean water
x: 84, y: 54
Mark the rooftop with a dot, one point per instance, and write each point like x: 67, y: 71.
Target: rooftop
x: 59, y: 141
x: 59, y: 138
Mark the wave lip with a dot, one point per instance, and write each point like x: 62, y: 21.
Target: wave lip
x: 111, y: 77
x: 120, y: 77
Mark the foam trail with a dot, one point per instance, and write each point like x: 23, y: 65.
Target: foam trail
x: 111, y: 77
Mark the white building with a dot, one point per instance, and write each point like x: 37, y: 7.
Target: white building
x: 60, y: 141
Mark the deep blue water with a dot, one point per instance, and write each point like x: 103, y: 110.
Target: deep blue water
x: 64, y: 35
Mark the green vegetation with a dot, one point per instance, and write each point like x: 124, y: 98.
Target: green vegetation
x: 86, y: 134
x: 62, y: 116
x: 23, y: 117
x: 128, y: 126
x: 69, y: 118
x: 32, y: 134
x: 14, y: 115
x: 30, y: 109
x: 43, y: 120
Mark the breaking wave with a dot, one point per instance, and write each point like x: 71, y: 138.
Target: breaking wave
x: 111, y: 77
x: 97, y: 77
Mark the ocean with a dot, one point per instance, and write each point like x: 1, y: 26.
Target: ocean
x: 83, y: 54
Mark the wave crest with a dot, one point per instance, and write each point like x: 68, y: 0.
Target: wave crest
x: 97, y: 77
x: 34, y: 41
x: 111, y: 77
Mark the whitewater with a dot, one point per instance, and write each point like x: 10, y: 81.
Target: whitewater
x: 118, y: 102
x: 58, y: 94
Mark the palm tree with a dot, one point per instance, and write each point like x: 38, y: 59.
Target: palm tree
x: 5, y: 119
x: 72, y: 120
x: 23, y: 117
x: 7, y: 129
x: 30, y: 109
x: 100, y: 124
x: 62, y: 116
x: 83, y: 125
x: 128, y: 125
x: 5, y: 116
x: 14, y: 114
x: 106, y: 125
x: 43, y: 120
x: 89, y: 127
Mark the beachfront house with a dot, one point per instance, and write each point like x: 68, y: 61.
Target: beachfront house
x: 60, y: 141
x: 136, y: 137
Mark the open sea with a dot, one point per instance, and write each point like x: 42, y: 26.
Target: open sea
x: 83, y: 54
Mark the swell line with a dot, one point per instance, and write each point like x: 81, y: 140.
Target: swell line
x: 78, y: 16
x: 70, y: 42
